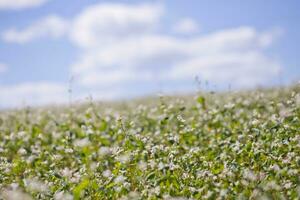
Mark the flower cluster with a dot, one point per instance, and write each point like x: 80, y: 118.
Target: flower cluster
x: 215, y: 146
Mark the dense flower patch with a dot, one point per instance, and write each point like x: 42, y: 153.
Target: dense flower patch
x: 214, y: 146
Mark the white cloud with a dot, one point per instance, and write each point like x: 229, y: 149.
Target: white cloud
x: 103, y: 24
x: 233, y: 56
x: 125, y: 53
x: 186, y: 26
x: 20, y: 4
x: 238, y: 69
x: 268, y: 37
x: 34, y: 93
x: 3, y: 68
x: 50, y: 26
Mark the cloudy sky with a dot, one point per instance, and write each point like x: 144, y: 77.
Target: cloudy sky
x: 124, y: 49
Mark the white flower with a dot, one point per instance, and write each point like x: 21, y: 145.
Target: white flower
x: 35, y: 185
x: 172, y: 166
x: 66, y: 172
x: 298, y: 100
x: 89, y: 131
x: 14, y: 195
x: 22, y: 151
x: 248, y: 174
x: 272, y: 185
x: 288, y: 185
x: 120, y: 179
x: 107, y: 173
x: 161, y: 166
x: 123, y: 158
x: 93, y: 166
x: 62, y: 196
x: 133, y: 195
x: 223, y: 192
x: 30, y: 159
x: 75, y: 178
x: 69, y: 150
x: 103, y: 151
x: 14, y: 186
x: 156, y: 190
x: 142, y: 165
x: 82, y: 142
x: 275, y: 167
x: 21, y: 134
x: 152, y: 163
x: 255, y: 122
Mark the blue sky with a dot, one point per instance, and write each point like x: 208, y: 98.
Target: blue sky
x: 123, y: 49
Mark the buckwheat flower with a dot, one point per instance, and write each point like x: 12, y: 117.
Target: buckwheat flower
x: 30, y: 159
x: 123, y: 158
x: 180, y: 118
x: 172, y: 166
x: 14, y: 186
x: 255, y: 122
x: 272, y: 185
x: 156, y: 190
x: 119, y: 179
x: 118, y: 189
x: 57, y: 157
x: 161, y: 166
x: 89, y: 131
x: 66, y: 172
x: 166, y: 197
x: 103, y: 151
x: 133, y: 195
x: 275, y: 167
x: 75, y: 178
x: 248, y: 174
x: 208, y: 194
x: 297, y: 101
x: 229, y: 106
x: 56, y: 135
x: 14, y: 195
x: 115, y: 150
x: 284, y: 112
x: 223, y: 192
x: 192, y: 189
x: 89, y: 110
x: 21, y: 134
x: 142, y: 165
x: 286, y: 160
x: 288, y: 185
x: 107, y: 173
x: 61, y: 195
x: 292, y: 172
x: 255, y: 193
x: 93, y: 166
x: 261, y: 176
x: 185, y: 175
x: 152, y: 163
x: 69, y: 150
x: 126, y: 185
x: 35, y: 185
x: 22, y: 151
x: 82, y: 142
x: 244, y: 182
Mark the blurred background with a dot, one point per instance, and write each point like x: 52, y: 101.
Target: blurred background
x: 113, y: 50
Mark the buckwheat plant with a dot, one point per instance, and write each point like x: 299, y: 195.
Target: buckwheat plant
x: 234, y: 145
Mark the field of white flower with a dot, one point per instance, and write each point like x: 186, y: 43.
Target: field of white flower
x: 243, y: 145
